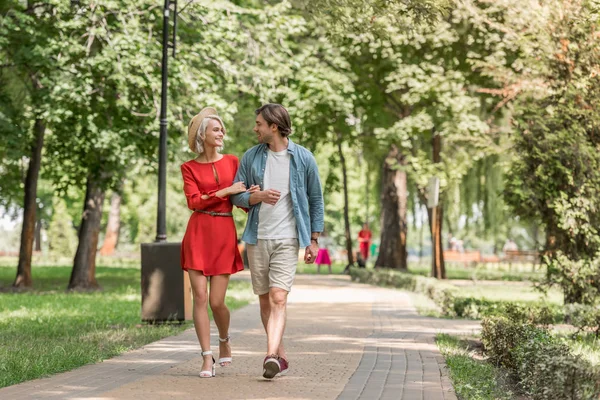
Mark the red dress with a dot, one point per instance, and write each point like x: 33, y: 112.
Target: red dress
x: 210, y: 242
x: 364, y: 238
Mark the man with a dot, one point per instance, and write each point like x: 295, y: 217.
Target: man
x: 364, y: 241
x: 286, y: 213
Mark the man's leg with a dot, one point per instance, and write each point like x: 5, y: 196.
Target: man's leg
x: 265, y: 313
x: 277, y: 319
x: 282, y: 270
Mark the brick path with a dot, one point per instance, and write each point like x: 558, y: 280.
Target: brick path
x: 344, y: 340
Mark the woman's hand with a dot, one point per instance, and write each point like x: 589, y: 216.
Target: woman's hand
x: 236, y: 188
x: 253, y: 189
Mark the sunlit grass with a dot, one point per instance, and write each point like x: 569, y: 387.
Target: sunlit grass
x: 587, y: 345
x: 311, y: 269
x: 472, y: 379
x: 519, y: 293
x: 48, y: 330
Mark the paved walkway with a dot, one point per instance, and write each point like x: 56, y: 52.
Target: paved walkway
x: 344, y: 340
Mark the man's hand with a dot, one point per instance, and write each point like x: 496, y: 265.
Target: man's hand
x: 270, y: 196
x: 310, y: 254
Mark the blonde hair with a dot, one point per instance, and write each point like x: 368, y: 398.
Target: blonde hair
x: 201, y: 134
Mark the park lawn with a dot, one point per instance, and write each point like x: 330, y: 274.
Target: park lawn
x: 472, y: 378
x: 523, y: 294
x: 311, y: 269
x: 48, y: 330
x: 484, y: 273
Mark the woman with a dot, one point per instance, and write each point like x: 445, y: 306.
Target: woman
x: 209, y: 249
x: 323, y: 257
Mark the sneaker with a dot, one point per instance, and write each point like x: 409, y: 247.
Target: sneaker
x: 271, y: 367
x: 285, y: 366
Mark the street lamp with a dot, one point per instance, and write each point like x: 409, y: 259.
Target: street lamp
x: 166, y: 292
x: 161, y: 217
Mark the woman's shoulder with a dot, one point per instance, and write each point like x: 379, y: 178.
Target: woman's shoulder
x: 188, y: 164
x: 232, y: 159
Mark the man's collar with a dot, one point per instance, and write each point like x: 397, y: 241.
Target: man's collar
x: 291, y: 146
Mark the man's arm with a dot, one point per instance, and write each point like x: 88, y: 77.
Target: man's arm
x: 315, y: 199
x: 243, y: 172
x: 316, y: 210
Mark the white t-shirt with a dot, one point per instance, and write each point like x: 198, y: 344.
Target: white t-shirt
x: 278, y: 221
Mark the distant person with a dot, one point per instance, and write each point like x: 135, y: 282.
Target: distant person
x: 374, y: 249
x: 510, y: 246
x: 285, y: 214
x: 323, y: 257
x: 209, y: 248
x: 364, y: 241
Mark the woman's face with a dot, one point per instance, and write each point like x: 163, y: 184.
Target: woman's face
x: 214, y: 134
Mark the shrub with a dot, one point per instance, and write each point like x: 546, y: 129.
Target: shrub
x: 543, y: 365
x: 584, y: 317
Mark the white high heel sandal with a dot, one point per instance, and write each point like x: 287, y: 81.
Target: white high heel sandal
x: 212, y: 372
x: 223, y: 360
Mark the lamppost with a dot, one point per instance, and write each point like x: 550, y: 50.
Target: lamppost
x: 161, y: 217
x: 165, y: 287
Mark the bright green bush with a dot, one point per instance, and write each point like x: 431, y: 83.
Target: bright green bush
x: 543, y: 365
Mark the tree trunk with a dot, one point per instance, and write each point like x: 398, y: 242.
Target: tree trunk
x: 394, y: 203
x: 83, y: 275
x: 438, y: 266
x: 347, y: 233
x: 436, y: 218
x: 112, y: 228
x: 38, y: 236
x: 23, y: 278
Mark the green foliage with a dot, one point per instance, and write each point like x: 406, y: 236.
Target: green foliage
x: 471, y: 378
x: 545, y: 367
x: 555, y: 175
x: 579, y: 279
x: 584, y: 317
x: 61, y: 234
x: 456, y: 302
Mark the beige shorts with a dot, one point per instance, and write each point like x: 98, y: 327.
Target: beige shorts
x: 272, y: 263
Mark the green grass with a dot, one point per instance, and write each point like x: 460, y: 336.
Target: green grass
x: 486, y: 273
x: 48, y: 330
x: 424, y: 305
x: 587, y: 345
x: 311, y: 269
x: 472, y: 379
x: 518, y: 293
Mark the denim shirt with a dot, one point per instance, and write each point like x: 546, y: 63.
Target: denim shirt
x: 305, y: 189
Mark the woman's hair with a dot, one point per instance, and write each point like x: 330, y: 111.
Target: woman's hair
x: 278, y: 115
x: 201, y: 135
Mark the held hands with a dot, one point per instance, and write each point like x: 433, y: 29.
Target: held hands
x: 310, y: 254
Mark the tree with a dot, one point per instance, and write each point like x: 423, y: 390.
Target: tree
x: 30, y: 43
x: 555, y: 177
x: 112, y: 227
x: 394, y: 202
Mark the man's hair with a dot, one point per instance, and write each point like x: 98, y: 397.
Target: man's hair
x: 278, y: 115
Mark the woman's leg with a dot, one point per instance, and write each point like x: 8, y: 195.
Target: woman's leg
x: 218, y: 289
x: 318, y: 268
x: 201, y: 321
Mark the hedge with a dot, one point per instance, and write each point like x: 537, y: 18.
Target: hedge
x: 543, y: 365
x: 447, y: 296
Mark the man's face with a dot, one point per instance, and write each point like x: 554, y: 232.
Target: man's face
x: 264, y: 133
